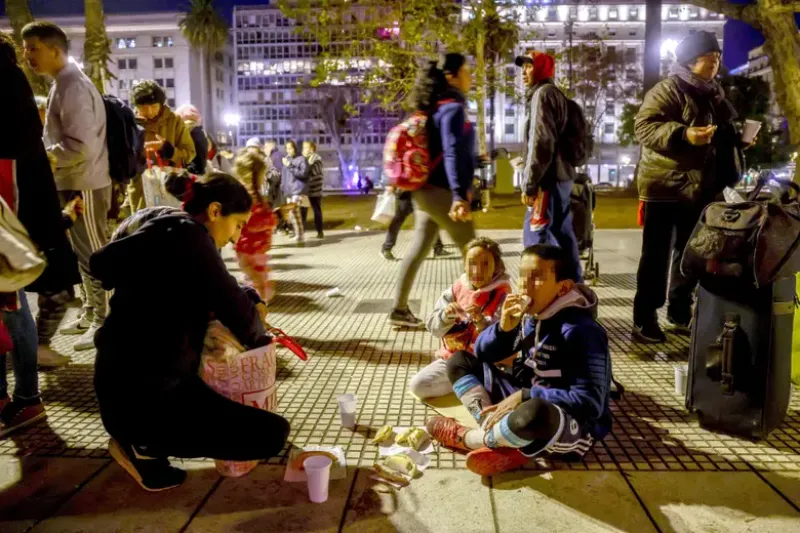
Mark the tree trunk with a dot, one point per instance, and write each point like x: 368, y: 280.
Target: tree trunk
x: 783, y: 48
x: 652, y: 44
x: 96, y: 50
x: 492, y: 75
x: 19, y: 14
x: 480, y: 79
x: 209, y: 119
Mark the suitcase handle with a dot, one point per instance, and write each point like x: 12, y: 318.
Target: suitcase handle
x: 726, y: 339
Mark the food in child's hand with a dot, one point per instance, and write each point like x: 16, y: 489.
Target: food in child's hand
x: 384, y: 433
x: 402, y: 463
x: 388, y: 475
x: 297, y: 462
x: 412, y: 437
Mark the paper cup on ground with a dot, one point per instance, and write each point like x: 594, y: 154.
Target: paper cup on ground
x: 347, y: 409
x: 750, y: 130
x: 681, y: 379
x: 318, y: 473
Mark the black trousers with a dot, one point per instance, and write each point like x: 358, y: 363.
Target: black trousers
x: 404, y: 209
x: 667, y: 228
x: 534, y: 419
x: 316, y: 206
x: 194, y: 421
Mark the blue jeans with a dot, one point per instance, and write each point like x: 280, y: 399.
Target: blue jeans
x: 22, y: 329
x: 557, y: 230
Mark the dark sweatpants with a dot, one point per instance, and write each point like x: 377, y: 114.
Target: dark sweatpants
x: 316, y: 207
x: 193, y: 421
x: 667, y: 228
x: 404, y: 209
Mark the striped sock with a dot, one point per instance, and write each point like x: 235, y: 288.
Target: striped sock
x: 501, y: 436
x: 472, y: 394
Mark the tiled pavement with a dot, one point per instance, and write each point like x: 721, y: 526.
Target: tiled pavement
x: 657, y: 471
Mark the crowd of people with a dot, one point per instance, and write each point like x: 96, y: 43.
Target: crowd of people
x: 530, y: 364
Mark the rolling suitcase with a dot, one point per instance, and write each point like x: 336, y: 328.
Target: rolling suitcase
x: 741, y: 354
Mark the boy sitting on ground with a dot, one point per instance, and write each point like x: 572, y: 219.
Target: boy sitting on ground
x: 556, y: 398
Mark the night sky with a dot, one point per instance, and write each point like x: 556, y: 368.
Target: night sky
x: 739, y: 37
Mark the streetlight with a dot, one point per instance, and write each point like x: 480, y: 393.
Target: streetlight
x: 668, y: 47
x: 625, y: 160
x: 232, y: 121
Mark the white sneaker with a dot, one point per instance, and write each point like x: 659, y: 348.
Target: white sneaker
x: 76, y: 327
x: 86, y: 342
x: 49, y: 358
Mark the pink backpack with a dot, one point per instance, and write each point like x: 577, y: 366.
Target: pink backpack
x: 406, y: 158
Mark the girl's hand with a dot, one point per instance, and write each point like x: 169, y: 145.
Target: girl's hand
x: 474, y: 313
x: 452, y: 310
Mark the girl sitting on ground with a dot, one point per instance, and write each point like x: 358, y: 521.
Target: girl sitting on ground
x: 468, y: 307
x: 256, y: 240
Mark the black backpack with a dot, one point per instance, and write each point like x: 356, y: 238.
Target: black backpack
x: 577, y: 141
x: 125, y: 140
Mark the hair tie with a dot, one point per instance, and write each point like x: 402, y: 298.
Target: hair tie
x: 188, y: 195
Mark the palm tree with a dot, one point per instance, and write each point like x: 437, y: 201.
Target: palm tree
x: 97, y: 48
x: 20, y: 14
x: 205, y: 29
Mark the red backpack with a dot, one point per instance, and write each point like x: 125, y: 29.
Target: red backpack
x: 406, y: 157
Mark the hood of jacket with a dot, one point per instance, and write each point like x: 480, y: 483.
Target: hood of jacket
x: 127, y: 253
x: 499, y: 281
x: 164, y: 125
x: 313, y: 158
x: 580, y: 297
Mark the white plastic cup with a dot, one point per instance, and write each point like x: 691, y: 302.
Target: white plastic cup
x: 526, y: 301
x: 318, y: 475
x: 347, y: 409
x: 750, y: 130
x: 681, y: 379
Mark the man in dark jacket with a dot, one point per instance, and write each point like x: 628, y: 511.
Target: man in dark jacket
x: 39, y: 211
x: 547, y: 175
x: 690, y: 153
x: 556, y: 399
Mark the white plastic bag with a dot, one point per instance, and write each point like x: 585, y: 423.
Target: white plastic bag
x: 153, y: 187
x: 732, y: 196
x: 385, y: 208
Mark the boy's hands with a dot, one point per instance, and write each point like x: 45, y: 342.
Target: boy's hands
x: 511, y: 314
x: 74, y: 208
x: 497, y: 412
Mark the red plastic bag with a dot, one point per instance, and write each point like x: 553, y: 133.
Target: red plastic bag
x: 6, y: 344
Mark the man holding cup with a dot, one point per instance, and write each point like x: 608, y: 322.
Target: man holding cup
x: 556, y: 398
x: 690, y: 151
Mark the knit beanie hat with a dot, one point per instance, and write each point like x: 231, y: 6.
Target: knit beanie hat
x: 544, y: 65
x: 148, y: 92
x: 253, y: 142
x: 695, y: 45
x: 188, y: 112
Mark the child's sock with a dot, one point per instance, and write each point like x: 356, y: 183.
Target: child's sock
x: 501, y: 436
x: 472, y: 394
x: 474, y: 438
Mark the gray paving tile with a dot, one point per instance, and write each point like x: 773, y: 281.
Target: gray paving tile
x: 262, y: 502
x: 714, y: 501
x: 32, y: 487
x: 441, y: 501
x: 564, y: 501
x: 113, y: 502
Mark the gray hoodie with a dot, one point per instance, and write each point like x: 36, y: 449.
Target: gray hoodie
x: 75, y: 132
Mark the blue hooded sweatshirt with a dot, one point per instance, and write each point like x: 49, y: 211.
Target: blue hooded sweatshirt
x: 452, y: 146
x: 569, y: 365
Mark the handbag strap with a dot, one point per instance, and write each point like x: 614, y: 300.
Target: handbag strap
x: 286, y: 341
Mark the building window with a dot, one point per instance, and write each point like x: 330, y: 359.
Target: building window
x: 609, y: 128
x: 168, y: 62
x: 170, y: 83
x: 122, y: 64
x: 694, y: 13
x: 551, y: 34
x: 630, y: 55
x: 613, y: 14
x: 633, y: 13
x: 158, y: 42
x: 158, y: 62
x: 168, y: 42
x: 132, y: 63
x: 573, y: 13
x: 673, y: 13
x: 632, y: 33
x: 509, y: 129
x: 592, y: 13
x: 552, y: 14
x: 509, y: 111
x: 171, y: 102
x: 121, y: 84
x: 160, y: 81
x: 123, y: 42
x: 220, y: 76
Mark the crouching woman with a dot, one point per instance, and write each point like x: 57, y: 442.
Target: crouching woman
x: 169, y: 280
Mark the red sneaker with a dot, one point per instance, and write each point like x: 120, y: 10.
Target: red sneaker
x: 15, y: 417
x: 448, y: 432
x: 490, y: 461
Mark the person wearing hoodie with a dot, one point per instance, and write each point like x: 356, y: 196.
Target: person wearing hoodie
x: 444, y: 201
x: 556, y: 399
x: 465, y: 309
x: 316, y: 180
x: 295, y: 185
x: 168, y: 142
x: 194, y: 123
x: 153, y: 403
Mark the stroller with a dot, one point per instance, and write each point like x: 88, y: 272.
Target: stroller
x: 582, y: 203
